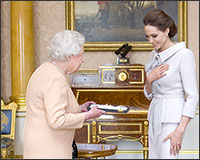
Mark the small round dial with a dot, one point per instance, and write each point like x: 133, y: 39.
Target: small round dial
x: 122, y: 76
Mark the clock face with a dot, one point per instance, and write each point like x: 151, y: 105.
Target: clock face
x: 122, y: 76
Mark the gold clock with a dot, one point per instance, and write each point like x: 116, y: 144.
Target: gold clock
x: 122, y: 75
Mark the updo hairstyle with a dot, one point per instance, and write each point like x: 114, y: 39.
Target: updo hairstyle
x: 161, y: 20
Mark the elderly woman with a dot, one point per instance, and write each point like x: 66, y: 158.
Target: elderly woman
x: 53, y: 113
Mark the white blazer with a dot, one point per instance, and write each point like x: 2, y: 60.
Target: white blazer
x: 179, y: 82
x: 168, y: 93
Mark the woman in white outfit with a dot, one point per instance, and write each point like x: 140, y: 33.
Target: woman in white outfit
x: 170, y: 85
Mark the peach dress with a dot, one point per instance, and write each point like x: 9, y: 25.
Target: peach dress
x: 52, y: 115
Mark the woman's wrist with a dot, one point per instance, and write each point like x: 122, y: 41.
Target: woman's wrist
x: 86, y: 115
x: 180, y: 129
x: 149, y: 79
x: 183, y: 124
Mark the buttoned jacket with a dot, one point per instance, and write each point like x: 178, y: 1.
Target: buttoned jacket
x: 178, y: 89
x: 52, y: 115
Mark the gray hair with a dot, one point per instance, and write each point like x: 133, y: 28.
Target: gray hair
x: 66, y: 43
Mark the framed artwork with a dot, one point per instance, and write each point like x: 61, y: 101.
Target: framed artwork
x: 107, y: 25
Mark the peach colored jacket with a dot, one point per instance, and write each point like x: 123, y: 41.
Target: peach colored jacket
x: 52, y: 115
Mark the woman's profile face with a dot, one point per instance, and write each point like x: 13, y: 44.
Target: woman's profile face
x: 156, y: 37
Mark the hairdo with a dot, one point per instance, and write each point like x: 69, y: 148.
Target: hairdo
x: 65, y: 43
x: 161, y: 20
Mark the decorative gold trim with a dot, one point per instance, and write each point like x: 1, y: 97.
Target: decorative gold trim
x: 12, y: 106
x: 94, y: 132
x: 70, y: 15
x: 21, y: 116
x: 189, y: 152
x: 6, y: 151
x: 137, y: 46
x: 182, y: 21
x: 77, y: 95
x: 18, y: 156
x: 22, y: 111
x: 118, y: 138
x: 128, y: 152
x: 109, y: 90
x: 100, y: 124
x: 100, y: 150
x: 88, y: 130
x: 142, y: 70
x: 21, y: 102
x: 122, y: 119
x: 133, y: 67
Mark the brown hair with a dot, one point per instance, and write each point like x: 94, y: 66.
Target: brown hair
x: 161, y: 20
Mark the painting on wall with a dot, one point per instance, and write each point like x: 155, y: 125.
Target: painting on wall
x: 109, y: 24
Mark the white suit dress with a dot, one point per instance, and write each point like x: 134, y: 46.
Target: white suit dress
x: 168, y: 93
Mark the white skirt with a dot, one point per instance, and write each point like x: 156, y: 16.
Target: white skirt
x: 161, y: 150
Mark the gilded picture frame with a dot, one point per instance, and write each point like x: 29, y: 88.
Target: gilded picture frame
x: 112, y: 45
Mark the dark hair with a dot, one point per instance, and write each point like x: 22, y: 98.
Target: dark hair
x: 161, y: 20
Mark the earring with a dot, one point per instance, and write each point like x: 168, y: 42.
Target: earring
x: 70, y: 62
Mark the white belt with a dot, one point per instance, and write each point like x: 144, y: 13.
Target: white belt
x: 155, y: 124
x: 168, y: 95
